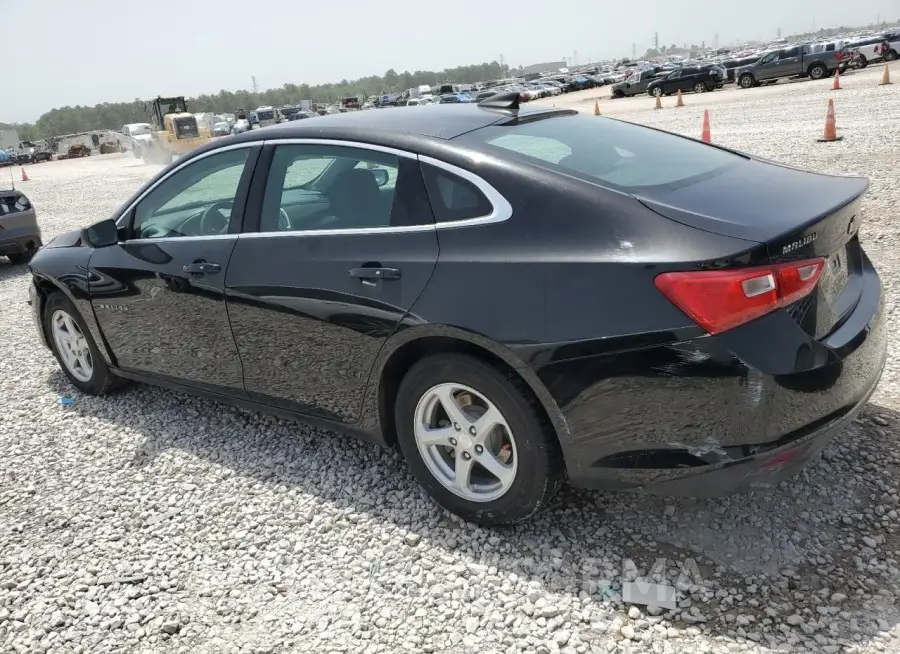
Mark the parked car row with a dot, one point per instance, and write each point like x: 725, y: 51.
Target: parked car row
x: 26, y: 153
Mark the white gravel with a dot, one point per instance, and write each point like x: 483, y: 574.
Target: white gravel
x: 151, y: 521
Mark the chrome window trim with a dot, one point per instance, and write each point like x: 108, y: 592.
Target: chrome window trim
x: 343, y: 144
x: 235, y: 146
x: 353, y: 231
x: 172, y: 239
x: 501, y: 209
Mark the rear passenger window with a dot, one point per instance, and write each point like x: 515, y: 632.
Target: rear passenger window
x: 452, y: 197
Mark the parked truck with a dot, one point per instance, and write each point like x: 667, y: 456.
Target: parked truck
x: 795, y: 61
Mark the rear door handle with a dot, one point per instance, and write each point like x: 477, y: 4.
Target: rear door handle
x: 373, y: 273
x: 201, y: 268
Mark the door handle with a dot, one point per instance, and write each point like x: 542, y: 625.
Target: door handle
x: 201, y: 268
x: 374, y: 273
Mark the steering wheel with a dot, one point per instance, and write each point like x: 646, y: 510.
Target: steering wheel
x: 216, y: 217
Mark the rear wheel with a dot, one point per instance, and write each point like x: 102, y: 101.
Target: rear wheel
x: 891, y: 55
x: 476, y: 440
x: 745, y: 81
x: 818, y: 71
x: 22, y: 257
x: 74, y: 348
x: 699, y: 87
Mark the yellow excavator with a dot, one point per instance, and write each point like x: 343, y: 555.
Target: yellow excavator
x: 175, y: 131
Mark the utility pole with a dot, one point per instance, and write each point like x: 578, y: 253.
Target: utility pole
x: 255, y: 85
x: 634, y: 50
x: 502, y: 65
x: 716, y: 40
x: 778, y: 33
x: 656, y: 40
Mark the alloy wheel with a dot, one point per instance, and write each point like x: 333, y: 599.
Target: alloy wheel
x: 465, y: 442
x: 72, y: 346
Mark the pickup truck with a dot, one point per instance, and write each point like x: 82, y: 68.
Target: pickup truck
x: 795, y: 61
x: 30, y: 153
x: 634, y: 85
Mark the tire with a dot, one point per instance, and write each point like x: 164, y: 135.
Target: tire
x: 862, y: 62
x: 530, y: 445
x: 100, y: 379
x: 891, y: 55
x: 818, y: 71
x: 618, y: 94
x: 699, y: 87
x: 746, y: 81
x: 20, y: 258
x: 657, y: 91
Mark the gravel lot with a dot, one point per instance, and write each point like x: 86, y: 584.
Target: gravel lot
x: 154, y: 522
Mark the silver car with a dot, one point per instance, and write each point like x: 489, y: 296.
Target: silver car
x: 20, y: 236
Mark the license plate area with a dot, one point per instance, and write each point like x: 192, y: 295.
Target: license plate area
x: 835, y: 276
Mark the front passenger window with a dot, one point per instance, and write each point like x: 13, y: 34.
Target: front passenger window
x: 197, y: 200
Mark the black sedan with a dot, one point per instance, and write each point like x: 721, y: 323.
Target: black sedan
x: 512, y: 297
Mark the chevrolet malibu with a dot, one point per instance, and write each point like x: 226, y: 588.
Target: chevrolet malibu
x: 511, y: 297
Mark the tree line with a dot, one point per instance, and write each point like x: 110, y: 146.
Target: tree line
x: 112, y: 115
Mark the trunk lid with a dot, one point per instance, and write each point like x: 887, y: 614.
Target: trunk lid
x: 796, y: 214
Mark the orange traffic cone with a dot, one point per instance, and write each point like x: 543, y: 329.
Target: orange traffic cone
x: 658, y: 102
x: 885, y: 77
x: 830, y: 127
x: 680, y: 101
x: 596, y: 108
x: 24, y: 175
x: 837, y: 81
x: 704, y: 136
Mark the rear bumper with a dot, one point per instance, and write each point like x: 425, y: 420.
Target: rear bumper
x: 694, y: 419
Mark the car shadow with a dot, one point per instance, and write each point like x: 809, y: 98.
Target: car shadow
x: 809, y: 563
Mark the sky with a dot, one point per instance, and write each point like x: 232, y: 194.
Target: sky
x: 90, y: 51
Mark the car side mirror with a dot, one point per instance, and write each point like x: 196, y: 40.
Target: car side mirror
x: 102, y: 234
x: 381, y: 176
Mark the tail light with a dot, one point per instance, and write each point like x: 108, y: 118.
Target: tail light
x: 719, y: 300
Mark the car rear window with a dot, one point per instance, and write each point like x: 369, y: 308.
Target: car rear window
x: 609, y: 152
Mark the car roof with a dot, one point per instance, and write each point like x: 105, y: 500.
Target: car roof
x: 445, y: 121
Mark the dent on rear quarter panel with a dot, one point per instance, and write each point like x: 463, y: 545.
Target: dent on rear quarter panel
x: 569, y: 276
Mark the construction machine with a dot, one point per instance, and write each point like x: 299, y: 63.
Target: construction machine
x: 175, y: 131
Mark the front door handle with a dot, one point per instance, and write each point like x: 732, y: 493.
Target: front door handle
x: 201, y: 268
x: 375, y: 273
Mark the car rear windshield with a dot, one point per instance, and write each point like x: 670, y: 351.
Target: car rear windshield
x: 612, y: 153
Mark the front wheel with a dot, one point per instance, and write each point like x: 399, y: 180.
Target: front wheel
x: 74, y: 348
x: 657, y: 91
x: 862, y: 62
x: 891, y: 55
x: 476, y: 440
